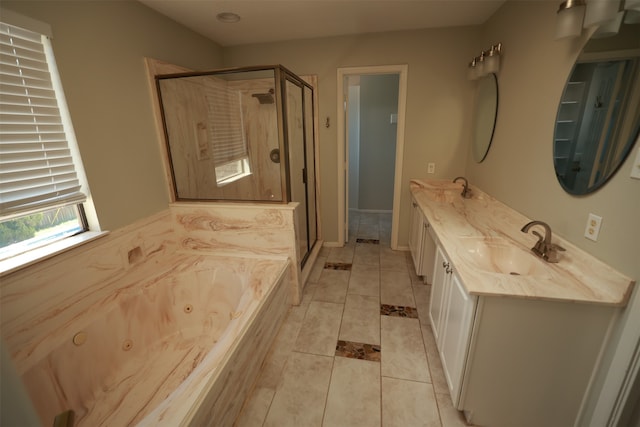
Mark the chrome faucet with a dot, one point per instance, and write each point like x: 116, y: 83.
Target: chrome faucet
x: 543, y: 248
x: 466, y: 191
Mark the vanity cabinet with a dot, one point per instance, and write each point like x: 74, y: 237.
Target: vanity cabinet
x: 451, y: 313
x: 506, y: 358
x: 421, y: 243
x: 516, y: 350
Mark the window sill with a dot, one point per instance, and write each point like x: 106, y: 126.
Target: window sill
x: 26, y: 259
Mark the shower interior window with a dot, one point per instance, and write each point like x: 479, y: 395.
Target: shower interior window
x: 232, y: 171
x: 226, y: 133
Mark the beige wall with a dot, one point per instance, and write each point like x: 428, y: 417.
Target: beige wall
x: 519, y: 169
x: 438, y: 102
x: 99, y: 48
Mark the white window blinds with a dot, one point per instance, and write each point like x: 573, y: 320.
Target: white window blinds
x: 226, y: 123
x: 36, y: 164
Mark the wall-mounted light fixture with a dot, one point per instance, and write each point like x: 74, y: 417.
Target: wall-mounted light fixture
x: 488, y: 62
x: 607, y: 15
x: 570, y: 18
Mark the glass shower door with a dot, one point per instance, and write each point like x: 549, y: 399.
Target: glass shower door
x: 294, y: 115
x: 309, y: 148
x: 299, y: 123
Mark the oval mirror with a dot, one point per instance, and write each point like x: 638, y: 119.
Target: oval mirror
x: 598, y: 116
x: 486, y: 111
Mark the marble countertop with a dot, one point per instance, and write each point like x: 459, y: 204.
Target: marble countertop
x: 466, y: 227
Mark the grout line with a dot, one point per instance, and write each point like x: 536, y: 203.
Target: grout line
x: 326, y: 395
x: 406, y: 379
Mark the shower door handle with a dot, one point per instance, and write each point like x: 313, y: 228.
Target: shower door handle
x: 304, y: 175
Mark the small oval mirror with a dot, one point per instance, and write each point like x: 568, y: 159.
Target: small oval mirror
x: 486, y: 111
x: 598, y: 116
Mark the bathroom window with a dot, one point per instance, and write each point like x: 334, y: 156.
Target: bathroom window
x: 42, y: 184
x: 232, y: 171
x: 226, y: 132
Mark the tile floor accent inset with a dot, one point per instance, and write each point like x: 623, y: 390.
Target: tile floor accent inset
x: 398, y: 311
x: 357, y: 350
x: 371, y: 241
x: 337, y: 266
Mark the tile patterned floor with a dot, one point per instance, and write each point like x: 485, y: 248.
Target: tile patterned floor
x: 358, y: 351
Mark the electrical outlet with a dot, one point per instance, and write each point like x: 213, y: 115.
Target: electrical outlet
x: 431, y: 168
x: 593, y: 227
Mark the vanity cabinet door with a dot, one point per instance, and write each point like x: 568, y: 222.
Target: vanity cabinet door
x: 421, y: 243
x: 415, y: 236
x: 428, y: 253
x: 456, y: 328
x: 439, y: 285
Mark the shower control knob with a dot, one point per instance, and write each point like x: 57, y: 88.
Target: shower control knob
x: 274, y: 155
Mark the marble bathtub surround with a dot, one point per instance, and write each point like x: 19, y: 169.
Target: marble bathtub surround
x: 244, y: 229
x: 198, y: 309
x: 462, y: 223
x: 44, y: 306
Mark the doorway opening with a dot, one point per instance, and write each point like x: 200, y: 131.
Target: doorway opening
x: 371, y: 112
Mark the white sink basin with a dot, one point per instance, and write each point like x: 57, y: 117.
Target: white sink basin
x: 495, y: 255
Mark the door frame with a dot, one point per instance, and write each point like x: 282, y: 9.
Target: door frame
x: 343, y: 163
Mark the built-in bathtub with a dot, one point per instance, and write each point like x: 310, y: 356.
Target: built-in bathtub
x: 180, y: 348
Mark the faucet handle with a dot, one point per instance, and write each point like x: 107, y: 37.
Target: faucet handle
x: 556, y: 247
x: 551, y: 253
x: 539, y: 248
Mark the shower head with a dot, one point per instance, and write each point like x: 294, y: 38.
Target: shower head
x: 264, y: 98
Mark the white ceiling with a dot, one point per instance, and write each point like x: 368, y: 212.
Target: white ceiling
x: 268, y: 20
